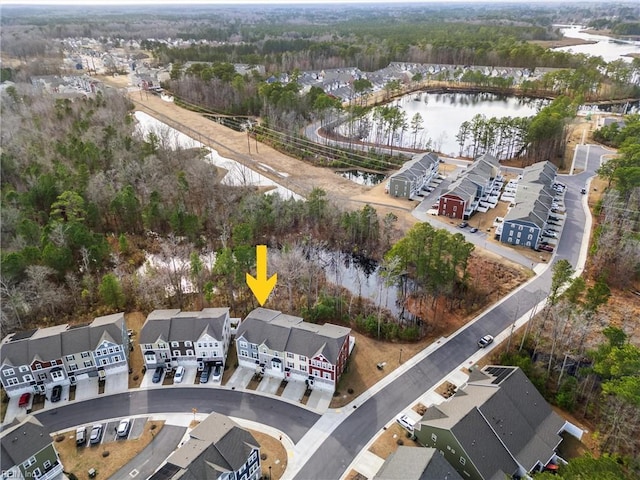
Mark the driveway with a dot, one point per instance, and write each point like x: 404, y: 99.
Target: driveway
x: 116, y: 382
x: 241, y: 377
x: 86, y: 388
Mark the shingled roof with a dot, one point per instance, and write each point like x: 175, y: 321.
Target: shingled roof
x: 286, y: 333
x: 217, y: 445
x: 176, y: 326
x: 410, y: 463
x: 21, y: 440
x: 501, y: 420
x: 55, y: 342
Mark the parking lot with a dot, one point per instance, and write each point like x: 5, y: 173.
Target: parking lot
x: 109, y: 431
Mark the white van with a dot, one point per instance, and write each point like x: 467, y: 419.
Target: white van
x: 179, y: 375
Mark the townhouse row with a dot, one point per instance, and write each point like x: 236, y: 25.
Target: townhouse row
x: 269, y: 341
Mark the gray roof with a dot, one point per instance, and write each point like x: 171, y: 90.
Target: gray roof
x: 52, y: 343
x: 176, y: 326
x: 534, y: 195
x: 215, y: 446
x: 416, y: 463
x: 500, y: 418
x: 286, y: 333
x: 22, y: 439
x: 416, y: 167
x: 463, y: 188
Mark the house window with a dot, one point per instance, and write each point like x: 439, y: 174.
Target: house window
x: 27, y: 378
x: 9, y: 372
x: 327, y: 375
x: 73, y: 367
x: 434, y: 437
x: 276, y: 354
x: 38, y: 366
x: 24, y: 368
x: 243, y: 344
x: 37, y: 473
x: 290, y: 365
x: 162, y: 345
x: 463, y: 460
x: 303, y: 368
x: 214, y: 353
x: 315, y: 373
x: 215, y: 344
x: 188, y: 343
x: 175, y: 344
x: 148, y: 346
x: 29, y: 462
x: 176, y: 353
x: 85, y: 354
x: 57, y: 375
x: 111, y: 350
x: 87, y: 364
x: 116, y: 358
x: 289, y: 355
x: 243, y: 353
x: 104, y: 361
x: 42, y: 376
x: 116, y: 348
x: 150, y: 358
x: 54, y: 362
x: 520, y: 227
x: 69, y: 358
x: 12, y: 381
x: 302, y: 358
x: 190, y: 353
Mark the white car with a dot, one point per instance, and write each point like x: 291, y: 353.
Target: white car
x: 484, y: 341
x: 405, y: 422
x: 123, y: 428
x: 179, y: 375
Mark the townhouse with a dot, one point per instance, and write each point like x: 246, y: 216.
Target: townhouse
x: 528, y: 218
x: 34, y: 361
x: 414, y: 175
x: 218, y: 448
x: 497, y: 426
x: 286, y: 347
x: 170, y: 338
x: 28, y: 452
x: 463, y: 197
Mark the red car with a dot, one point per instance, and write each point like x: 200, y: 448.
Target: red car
x: 546, y: 248
x: 24, y: 400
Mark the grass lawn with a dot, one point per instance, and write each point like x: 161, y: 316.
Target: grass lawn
x: 389, y: 441
x: 78, y: 460
x: 275, y: 452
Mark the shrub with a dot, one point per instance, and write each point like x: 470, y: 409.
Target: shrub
x: 105, y: 454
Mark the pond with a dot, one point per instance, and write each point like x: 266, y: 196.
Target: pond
x: 368, y: 179
x: 443, y: 113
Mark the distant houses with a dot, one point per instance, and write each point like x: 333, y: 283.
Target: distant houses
x: 34, y: 361
x: 170, y: 338
x: 218, y: 448
x: 284, y: 346
x: 28, y: 452
x: 414, y: 175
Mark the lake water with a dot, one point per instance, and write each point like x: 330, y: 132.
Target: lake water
x: 367, y: 179
x: 443, y: 113
x: 605, y: 46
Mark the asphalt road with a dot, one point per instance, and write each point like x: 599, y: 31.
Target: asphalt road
x: 292, y: 419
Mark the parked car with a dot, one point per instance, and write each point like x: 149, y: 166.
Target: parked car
x: 216, y: 376
x: 204, y: 376
x: 554, y: 218
x: 546, y: 233
x: 484, y: 341
x: 179, y: 375
x: 157, y: 375
x: 56, y: 393
x: 405, y: 422
x: 123, y: 428
x: 463, y: 225
x: 81, y: 435
x: 473, y: 230
x: 24, y: 400
x: 583, y: 191
x: 546, y: 248
x: 96, y: 434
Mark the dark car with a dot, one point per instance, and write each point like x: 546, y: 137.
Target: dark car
x: 204, y: 376
x: 546, y: 248
x: 56, y: 393
x: 463, y: 225
x: 157, y: 375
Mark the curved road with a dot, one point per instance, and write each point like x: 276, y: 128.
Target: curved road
x: 335, y: 454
